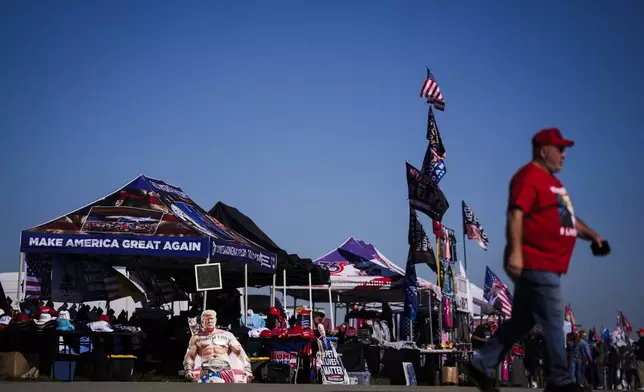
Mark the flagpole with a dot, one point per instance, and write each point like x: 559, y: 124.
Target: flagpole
x: 464, y: 252
x: 464, y: 230
x: 438, y: 264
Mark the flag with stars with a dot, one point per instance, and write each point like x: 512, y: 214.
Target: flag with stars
x: 497, y: 293
x: 433, y: 166
x: 424, y: 195
x: 432, y: 92
x: 473, y: 228
x: 37, y: 279
x: 410, y: 288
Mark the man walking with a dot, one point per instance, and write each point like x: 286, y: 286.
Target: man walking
x: 541, y: 232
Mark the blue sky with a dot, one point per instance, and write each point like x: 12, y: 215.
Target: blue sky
x: 302, y: 115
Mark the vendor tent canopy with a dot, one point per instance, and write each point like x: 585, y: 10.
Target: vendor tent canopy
x: 360, y: 272
x: 153, y: 221
x: 297, y: 269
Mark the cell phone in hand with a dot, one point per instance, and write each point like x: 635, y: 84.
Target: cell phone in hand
x: 600, y: 251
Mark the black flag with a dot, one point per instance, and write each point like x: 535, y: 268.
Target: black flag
x: 421, y: 247
x: 434, y: 136
x: 424, y: 195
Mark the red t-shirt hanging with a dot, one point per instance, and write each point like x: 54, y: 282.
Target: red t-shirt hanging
x: 549, y: 227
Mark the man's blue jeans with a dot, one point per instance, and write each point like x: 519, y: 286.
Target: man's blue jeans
x: 537, y: 300
x: 577, y: 370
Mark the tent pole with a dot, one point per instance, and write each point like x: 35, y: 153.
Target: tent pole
x: 273, y: 289
x: 311, y: 300
x: 246, y: 293
x: 205, y: 293
x: 335, y: 308
x: 284, y: 281
x: 431, y: 320
x: 331, y: 309
x: 21, y: 284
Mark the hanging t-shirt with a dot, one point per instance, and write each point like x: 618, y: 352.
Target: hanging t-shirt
x: 483, y: 332
x: 549, y: 225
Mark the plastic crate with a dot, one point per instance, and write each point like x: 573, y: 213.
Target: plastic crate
x: 63, y: 370
x: 359, y: 378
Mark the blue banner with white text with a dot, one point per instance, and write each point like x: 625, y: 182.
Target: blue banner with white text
x: 154, y: 246
x: 259, y: 260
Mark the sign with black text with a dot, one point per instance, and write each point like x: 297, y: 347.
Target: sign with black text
x: 331, y: 368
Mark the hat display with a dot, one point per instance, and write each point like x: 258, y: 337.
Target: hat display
x: 63, y: 314
x: 45, y: 320
x: 21, y: 321
x: 46, y: 309
x: 5, y: 320
x: 64, y: 325
x: 100, y: 326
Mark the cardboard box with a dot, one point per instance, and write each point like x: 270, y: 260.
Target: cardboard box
x: 13, y: 365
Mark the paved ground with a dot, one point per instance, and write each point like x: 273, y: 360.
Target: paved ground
x: 187, y: 387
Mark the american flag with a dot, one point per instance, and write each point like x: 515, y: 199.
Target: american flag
x: 497, y: 293
x: 432, y: 92
x: 38, y: 279
x: 473, y: 228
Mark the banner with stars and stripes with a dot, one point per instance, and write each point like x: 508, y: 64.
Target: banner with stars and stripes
x: 432, y: 92
x: 497, y: 293
x: 38, y: 278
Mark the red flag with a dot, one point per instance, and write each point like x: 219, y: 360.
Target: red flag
x: 627, y: 325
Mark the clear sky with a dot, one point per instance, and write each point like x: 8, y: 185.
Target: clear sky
x: 302, y: 115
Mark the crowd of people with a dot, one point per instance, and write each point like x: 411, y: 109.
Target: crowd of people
x: 598, y: 363
x: 594, y: 362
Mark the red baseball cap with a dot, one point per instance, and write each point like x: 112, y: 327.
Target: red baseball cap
x: 551, y: 136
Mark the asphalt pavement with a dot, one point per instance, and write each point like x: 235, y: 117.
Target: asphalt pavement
x: 37, y: 386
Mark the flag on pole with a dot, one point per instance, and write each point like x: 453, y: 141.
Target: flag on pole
x: 434, y: 161
x: 569, y: 315
x: 433, y: 166
x: 624, y: 321
x: 436, y: 145
x: 432, y: 92
x: 497, y: 293
x: 410, y: 289
x: 473, y: 228
x: 421, y: 247
x: 424, y: 195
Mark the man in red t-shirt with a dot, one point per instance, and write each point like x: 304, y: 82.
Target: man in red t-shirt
x: 541, y: 232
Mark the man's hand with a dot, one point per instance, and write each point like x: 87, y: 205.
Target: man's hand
x: 513, y: 263
x: 513, y: 255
